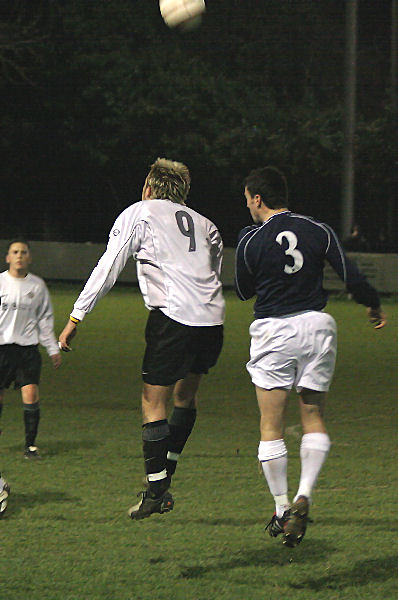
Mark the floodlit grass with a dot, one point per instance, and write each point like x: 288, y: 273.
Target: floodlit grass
x: 66, y: 535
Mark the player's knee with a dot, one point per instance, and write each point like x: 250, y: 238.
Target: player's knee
x: 185, y: 391
x: 30, y: 394
x: 312, y: 397
x: 184, y: 400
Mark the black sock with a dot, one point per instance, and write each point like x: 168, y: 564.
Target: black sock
x: 155, y: 442
x: 31, y: 414
x: 181, y: 424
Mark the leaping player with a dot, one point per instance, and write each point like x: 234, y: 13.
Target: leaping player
x: 280, y: 260
x: 178, y: 254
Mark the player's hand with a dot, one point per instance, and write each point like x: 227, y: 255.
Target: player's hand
x: 377, y: 317
x: 56, y: 359
x: 67, y: 336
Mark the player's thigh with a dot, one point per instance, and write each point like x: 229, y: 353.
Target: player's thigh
x: 29, y: 366
x: 8, y: 366
x: 273, y: 352
x: 272, y: 403
x: 166, y: 358
x: 204, y: 348
x: 317, y: 360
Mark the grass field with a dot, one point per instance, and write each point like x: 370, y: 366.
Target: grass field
x: 66, y: 534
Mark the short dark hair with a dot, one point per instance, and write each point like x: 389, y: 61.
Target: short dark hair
x: 19, y: 240
x: 269, y: 183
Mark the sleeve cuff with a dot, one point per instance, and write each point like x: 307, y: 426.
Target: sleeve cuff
x: 53, y: 349
x: 78, y: 314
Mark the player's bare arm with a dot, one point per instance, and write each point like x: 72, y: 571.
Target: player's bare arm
x: 67, y: 336
x: 377, y: 317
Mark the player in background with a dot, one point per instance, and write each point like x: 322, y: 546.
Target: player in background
x: 4, y: 493
x: 178, y: 254
x: 280, y: 260
x: 26, y: 319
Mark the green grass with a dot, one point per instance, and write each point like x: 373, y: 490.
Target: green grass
x: 66, y: 535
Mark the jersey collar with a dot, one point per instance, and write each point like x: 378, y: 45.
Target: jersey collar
x: 284, y: 212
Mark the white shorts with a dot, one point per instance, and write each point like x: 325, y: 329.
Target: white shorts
x: 295, y: 350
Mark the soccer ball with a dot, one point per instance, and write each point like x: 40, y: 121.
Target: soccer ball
x: 183, y: 14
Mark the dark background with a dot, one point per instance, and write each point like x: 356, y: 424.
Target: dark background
x: 92, y: 92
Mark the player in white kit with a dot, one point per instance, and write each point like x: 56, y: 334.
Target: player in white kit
x: 26, y: 319
x: 4, y: 493
x: 179, y: 256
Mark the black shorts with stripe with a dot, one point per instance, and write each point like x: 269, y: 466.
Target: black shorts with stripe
x: 173, y: 350
x: 19, y: 364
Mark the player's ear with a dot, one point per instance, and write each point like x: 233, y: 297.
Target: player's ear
x: 146, y: 190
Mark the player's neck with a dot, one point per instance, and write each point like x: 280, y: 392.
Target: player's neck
x: 270, y: 212
x: 17, y: 273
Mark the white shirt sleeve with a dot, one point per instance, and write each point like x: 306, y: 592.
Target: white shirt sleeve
x: 216, y: 250
x: 45, y: 324
x: 124, y: 241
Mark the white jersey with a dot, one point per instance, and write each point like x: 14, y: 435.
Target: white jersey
x: 26, y: 314
x: 178, y: 254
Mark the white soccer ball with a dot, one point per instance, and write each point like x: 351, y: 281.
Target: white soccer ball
x: 184, y: 14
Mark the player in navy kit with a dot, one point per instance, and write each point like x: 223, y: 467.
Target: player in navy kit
x: 280, y: 260
x: 178, y: 254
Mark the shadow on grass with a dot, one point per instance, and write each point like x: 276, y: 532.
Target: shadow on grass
x: 360, y: 573
x: 363, y: 522
x: 266, y: 556
x: 57, y: 447
x: 233, y: 452
x: 211, y: 522
x: 21, y: 502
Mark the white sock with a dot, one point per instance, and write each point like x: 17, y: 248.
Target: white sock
x: 313, y: 453
x: 273, y: 458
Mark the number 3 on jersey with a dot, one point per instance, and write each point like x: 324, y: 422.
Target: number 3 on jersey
x: 292, y: 251
x: 187, y: 227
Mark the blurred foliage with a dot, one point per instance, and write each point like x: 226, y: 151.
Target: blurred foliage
x: 92, y: 92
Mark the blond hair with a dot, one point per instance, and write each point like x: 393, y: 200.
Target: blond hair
x: 170, y: 180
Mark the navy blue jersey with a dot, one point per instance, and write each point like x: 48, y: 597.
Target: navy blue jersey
x: 281, y: 261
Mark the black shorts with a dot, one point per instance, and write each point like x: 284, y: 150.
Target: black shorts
x: 19, y: 364
x: 173, y: 350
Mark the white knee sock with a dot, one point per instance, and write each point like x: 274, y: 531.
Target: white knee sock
x: 273, y: 458
x: 313, y: 452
